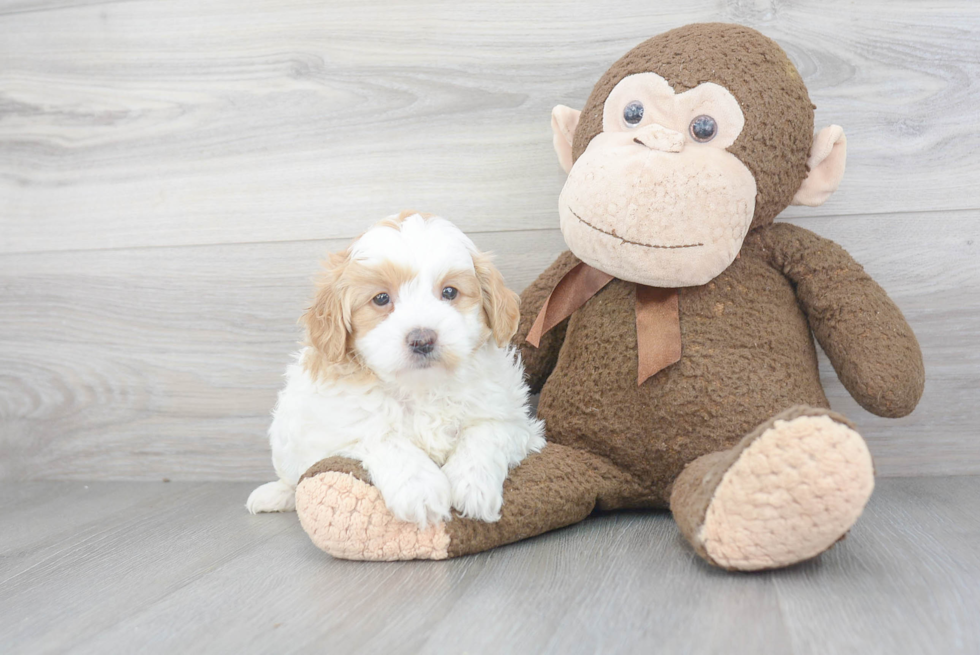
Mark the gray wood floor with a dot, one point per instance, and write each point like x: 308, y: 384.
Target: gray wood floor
x: 124, y: 567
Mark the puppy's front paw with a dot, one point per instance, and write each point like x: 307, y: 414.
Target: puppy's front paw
x: 478, y: 490
x: 422, y: 497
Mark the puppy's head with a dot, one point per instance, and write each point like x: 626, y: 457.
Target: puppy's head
x: 409, y: 300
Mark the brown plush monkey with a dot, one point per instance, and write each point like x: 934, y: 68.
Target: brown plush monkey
x: 673, y: 344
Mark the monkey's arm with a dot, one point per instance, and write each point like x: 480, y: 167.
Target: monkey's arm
x: 539, y: 362
x: 864, y: 334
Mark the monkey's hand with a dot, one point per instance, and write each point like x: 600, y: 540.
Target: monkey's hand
x: 864, y: 334
x: 540, y: 361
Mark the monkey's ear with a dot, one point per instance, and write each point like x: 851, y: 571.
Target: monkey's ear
x: 826, y: 164
x: 564, y: 120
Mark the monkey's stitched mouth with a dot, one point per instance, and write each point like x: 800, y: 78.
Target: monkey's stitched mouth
x: 632, y: 243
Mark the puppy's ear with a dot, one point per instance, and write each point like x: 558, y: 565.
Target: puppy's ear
x: 328, y: 320
x: 501, y: 305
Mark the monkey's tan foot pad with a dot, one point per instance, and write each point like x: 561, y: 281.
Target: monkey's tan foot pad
x: 787, y: 493
x: 348, y: 518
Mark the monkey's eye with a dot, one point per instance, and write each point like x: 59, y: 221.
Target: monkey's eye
x: 449, y: 293
x: 703, y: 128
x: 633, y: 113
x: 381, y: 299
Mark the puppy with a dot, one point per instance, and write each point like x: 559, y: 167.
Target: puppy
x: 407, y: 368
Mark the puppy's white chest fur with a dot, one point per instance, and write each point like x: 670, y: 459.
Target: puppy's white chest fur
x: 317, y: 419
x: 434, y: 432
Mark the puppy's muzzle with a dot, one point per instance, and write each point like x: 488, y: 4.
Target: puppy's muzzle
x: 421, y: 341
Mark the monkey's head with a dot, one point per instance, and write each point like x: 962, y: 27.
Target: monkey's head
x: 685, y: 144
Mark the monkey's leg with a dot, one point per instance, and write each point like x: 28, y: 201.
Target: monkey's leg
x: 346, y: 516
x: 787, y: 492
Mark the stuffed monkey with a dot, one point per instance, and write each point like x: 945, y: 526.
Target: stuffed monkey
x: 673, y: 344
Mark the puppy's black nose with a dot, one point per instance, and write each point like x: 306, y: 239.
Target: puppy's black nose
x: 422, y: 341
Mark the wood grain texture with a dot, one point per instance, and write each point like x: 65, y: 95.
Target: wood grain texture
x: 183, y: 568
x: 136, y: 123
x: 170, y: 173
x: 165, y: 362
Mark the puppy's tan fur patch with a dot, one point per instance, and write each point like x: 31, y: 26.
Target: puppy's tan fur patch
x: 466, y: 283
x: 405, y: 213
x: 501, y: 306
x: 365, y: 283
x: 343, y: 308
x: 469, y: 296
x: 395, y: 222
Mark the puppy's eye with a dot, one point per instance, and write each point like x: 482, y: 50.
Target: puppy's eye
x: 381, y: 299
x: 633, y: 113
x: 704, y: 128
x: 449, y: 293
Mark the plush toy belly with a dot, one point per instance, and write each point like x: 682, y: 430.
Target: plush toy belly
x: 747, y: 354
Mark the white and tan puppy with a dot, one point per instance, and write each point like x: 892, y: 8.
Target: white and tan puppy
x: 407, y: 368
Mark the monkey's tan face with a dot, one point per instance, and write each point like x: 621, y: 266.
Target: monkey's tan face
x: 656, y: 198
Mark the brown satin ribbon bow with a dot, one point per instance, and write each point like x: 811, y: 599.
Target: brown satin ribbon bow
x: 658, y: 325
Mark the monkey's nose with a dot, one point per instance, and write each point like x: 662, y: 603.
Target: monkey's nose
x: 421, y: 341
x: 658, y: 137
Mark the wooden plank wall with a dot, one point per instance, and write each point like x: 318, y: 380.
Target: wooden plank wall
x: 170, y: 173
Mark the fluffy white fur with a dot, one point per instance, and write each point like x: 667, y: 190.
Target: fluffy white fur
x: 435, y: 432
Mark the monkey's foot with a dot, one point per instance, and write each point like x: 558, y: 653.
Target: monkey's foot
x: 347, y: 517
x: 787, y: 492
